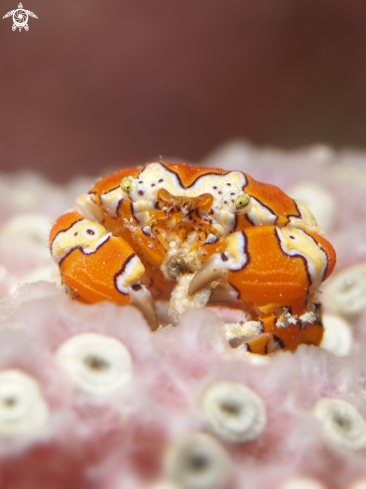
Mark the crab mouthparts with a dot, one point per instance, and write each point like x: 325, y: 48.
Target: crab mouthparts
x: 185, y: 204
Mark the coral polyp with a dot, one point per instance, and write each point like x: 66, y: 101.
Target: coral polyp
x: 23, y: 409
x: 234, y: 412
x: 197, y: 461
x: 91, y: 397
x: 96, y: 363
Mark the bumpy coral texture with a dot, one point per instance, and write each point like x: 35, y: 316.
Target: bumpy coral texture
x: 91, y: 398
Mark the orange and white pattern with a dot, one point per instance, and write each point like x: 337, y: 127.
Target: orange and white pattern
x: 138, y: 230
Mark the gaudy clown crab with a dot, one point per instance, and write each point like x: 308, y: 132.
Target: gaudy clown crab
x: 139, y: 230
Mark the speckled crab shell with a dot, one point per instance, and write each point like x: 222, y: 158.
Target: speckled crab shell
x: 140, y: 229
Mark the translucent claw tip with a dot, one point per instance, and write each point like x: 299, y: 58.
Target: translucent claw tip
x: 205, y: 275
x: 141, y: 298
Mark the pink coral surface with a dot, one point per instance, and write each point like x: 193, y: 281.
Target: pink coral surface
x: 126, y: 414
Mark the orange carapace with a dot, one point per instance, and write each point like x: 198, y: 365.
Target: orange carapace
x: 254, y: 248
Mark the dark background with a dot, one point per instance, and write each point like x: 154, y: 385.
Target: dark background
x: 100, y: 83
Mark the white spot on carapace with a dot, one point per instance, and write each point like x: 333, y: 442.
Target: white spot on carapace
x: 235, y: 251
x: 130, y: 275
x: 306, y: 221
x: 88, y: 208
x: 87, y: 235
x: 260, y: 215
x: 155, y: 177
x: 211, y: 238
x: 111, y: 200
x: 294, y: 241
x: 155, y: 172
x: 97, y: 364
x: 147, y: 230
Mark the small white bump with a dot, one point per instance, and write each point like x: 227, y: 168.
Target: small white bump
x: 238, y: 330
x: 29, y: 231
x: 97, y: 364
x: 147, y: 230
x: 234, y: 411
x: 360, y: 484
x: 337, y: 336
x: 345, y: 292
x: 197, y: 462
x: 253, y: 358
x: 322, y: 154
x: 164, y: 485
x: 303, y: 483
x: 89, y: 209
x: 319, y: 201
x: 47, y: 273
x: 211, y: 238
x: 343, y: 424
x: 22, y: 407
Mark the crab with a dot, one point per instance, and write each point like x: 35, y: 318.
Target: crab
x: 251, y: 247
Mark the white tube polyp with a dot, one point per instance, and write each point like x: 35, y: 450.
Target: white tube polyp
x: 23, y: 409
x: 96, y: 363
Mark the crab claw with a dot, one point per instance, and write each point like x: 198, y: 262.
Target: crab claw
x: 266, y: 264
x: 210, y: 271
x: 96, y: 266
x: 218, y: 265
x: 141, y: 298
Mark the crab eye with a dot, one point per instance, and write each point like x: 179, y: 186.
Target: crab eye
x: 126, y: 184
x: 241, y: 200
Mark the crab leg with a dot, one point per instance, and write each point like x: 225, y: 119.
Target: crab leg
x: 97, y: 266
x: 276, y: 336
